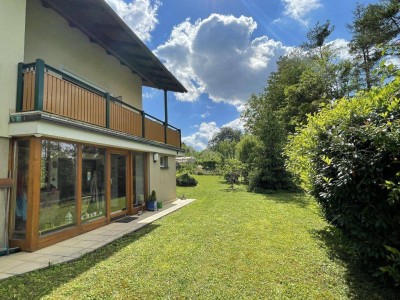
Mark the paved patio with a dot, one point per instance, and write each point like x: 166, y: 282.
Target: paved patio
x: 75, y: 247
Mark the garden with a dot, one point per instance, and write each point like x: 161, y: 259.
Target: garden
x: 228, y: 244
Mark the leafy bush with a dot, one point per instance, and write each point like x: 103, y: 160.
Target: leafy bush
x: 347, y: 157
x: 185, y: 180
x: 393, y: 269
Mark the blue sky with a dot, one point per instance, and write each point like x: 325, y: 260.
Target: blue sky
x: 222, y: 51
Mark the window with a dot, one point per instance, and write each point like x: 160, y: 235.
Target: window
x: 19, y: 207
x: 164, y: 162
x: 138, y: 182
x: 93, y: 183
x: 57, y: 186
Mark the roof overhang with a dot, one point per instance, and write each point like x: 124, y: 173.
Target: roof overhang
x: 102, y: 25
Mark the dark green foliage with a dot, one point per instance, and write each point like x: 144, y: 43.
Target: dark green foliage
x: 226, y: 134
x: 393, y: 269
x: 317, y: 36
x: 153, y: 196
x: 347, y: 156
x: 232, y: 170
x: 185, y: 180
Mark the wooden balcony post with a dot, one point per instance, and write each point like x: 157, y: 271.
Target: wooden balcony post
x: 107, y: 95
x: 166, y: 116
x: 39, y: 84
x: 143, y: 124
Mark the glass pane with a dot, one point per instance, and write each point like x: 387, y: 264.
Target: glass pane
x: 118, y: 182
x: 20, y: 206
x: 93, y: 183
x: 58, y: 186
x: 138, y: 178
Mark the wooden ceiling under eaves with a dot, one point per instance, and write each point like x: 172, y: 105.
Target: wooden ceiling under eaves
x: 102, y: 25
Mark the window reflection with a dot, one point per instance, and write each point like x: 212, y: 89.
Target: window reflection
x: 21, y: 202
x: 57, y: 186
x: 138, y: 182
x: 93, y: 183
x: 118, y: 182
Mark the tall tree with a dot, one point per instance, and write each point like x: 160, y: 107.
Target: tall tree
x: 317, y: 36
x: 373, y: 25
x: 224, y: 142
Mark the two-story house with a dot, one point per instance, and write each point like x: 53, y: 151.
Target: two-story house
x: 80, y: 150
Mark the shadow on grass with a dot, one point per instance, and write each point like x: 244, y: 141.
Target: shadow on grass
x: 285, y: 197
x: 361, y: 284
x: 39, y: 283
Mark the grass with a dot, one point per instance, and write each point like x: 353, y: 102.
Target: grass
x: 229, y: 244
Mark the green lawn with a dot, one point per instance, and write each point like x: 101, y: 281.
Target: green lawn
x: 226, y: 245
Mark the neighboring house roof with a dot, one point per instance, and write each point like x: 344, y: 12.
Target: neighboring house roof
x: 102, y: 25
x: 186, y: 159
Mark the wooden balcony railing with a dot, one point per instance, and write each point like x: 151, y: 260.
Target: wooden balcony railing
x: 43, y: 88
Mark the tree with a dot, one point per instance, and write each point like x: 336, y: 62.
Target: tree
x: 209, y: 159
x: 373, y: 25
x: 224, y: 142
x: 232, y: 171
x: 189, y: 150
x: 226, y: 134
x: 317, y: 36
x: 247, y: 152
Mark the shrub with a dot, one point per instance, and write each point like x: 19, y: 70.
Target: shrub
x: 185, y: 180
x: 347, y: 157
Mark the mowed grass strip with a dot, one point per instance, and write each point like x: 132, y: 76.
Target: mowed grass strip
x: 229, y: 244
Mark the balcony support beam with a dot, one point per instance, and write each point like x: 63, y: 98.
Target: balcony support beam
x: 20, y: 87
x: 107, y: 110
x: 166, y: 116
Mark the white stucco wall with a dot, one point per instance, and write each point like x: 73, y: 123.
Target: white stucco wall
x: 49, y: 37
x: 12, y: 35
x: 4, y: 149
x: 163, y: 180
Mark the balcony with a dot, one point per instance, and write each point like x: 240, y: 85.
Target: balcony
x: 46, y: 89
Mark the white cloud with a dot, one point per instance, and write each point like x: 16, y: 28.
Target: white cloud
x: 217, y: 56
x: 199, y: 140
x: 298, y: 9
x: 341, y: 47
x: 236, y: 124
x: 140, y: 15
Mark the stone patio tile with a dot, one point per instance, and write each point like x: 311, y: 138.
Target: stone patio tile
x: 85, y: 244
x: 93, y: 237
x: 59, y: 250
x: 7, y: 263
x: 27, y: 267
x: 35, y: 257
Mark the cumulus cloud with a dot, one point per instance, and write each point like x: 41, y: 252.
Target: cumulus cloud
x: 341, y: 47
x: 140, y: 15
x: 199, y: 140
x: 218, y: 56
x: 298, y: 9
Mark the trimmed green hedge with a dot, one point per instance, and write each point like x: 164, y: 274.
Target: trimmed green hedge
x: 348, y: 158
x: 185, y: 180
